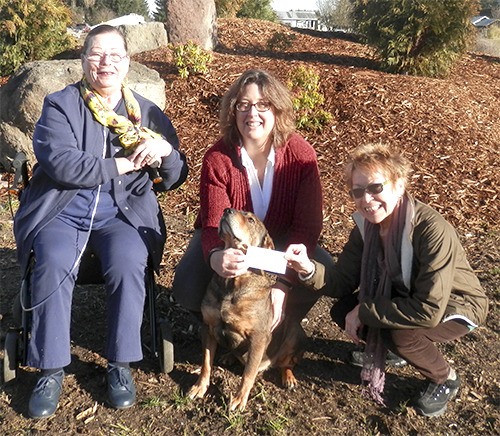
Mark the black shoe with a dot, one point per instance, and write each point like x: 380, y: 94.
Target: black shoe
x: 433, y: 401
x: 45, y: 396
x: 121, y: 388
x: 357, y: 358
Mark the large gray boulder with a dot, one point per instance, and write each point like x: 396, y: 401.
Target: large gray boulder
x: 191, y: 20
x: 145, y: 36
x: 21, y: 99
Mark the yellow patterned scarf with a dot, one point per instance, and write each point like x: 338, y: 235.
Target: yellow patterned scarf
x: 129, y: 130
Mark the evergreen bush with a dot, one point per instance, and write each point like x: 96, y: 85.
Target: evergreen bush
x: 32, y: 30
x: 417, y: 37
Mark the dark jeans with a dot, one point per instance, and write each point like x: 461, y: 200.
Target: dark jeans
x: 417, y: 346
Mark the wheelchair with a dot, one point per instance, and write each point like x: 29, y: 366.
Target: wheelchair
x: 160, y: 344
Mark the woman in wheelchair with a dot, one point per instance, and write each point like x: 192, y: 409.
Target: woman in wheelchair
x: 102, y: 151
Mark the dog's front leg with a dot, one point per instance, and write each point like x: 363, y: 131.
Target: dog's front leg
x: 258, y: 344
x: 199, y: 389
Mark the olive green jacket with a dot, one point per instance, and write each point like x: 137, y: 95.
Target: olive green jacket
x: 441, y: 283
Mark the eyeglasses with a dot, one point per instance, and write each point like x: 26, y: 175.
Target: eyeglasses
x: 245, y: 106
x: 113, y: 57
x: 372, y: 189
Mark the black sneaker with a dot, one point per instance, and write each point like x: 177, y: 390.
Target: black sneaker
x: 434, y: 400
x: 357, y: 359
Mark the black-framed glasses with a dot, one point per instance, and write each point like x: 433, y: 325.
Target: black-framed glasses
x: 113, y: 57
x: 372, y: 189
x: 245, y: 106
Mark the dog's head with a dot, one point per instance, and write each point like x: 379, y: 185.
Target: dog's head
x: 239, y: 229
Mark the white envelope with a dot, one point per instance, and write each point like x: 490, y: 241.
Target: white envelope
x: 267, y: 260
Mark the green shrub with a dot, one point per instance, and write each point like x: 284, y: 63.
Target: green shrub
x: 307, y: 99
x: 258, y: 9
x: 190, y: 58
x: 228, y: 8
x: 280, y: 41
x: 417, y: 37
x: 32, y: 30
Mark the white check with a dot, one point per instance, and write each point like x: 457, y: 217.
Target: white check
x: 267, y: 260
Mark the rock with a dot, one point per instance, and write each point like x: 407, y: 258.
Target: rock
x: 22, y: 98
x: 144, y: 37
x: 191, y: 20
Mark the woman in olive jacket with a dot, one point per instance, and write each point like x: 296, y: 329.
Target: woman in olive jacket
x: 402, y: 280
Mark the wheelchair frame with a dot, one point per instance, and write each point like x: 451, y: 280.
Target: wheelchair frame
x: 16, y: 338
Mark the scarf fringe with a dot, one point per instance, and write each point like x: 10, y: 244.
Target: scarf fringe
x: 375, y: 379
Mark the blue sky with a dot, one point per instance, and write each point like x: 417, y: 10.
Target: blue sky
x: 286, y: 5
x: 282, y: 5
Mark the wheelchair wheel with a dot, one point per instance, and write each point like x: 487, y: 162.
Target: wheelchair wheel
x: 166, y: 352
x: 10, y: 359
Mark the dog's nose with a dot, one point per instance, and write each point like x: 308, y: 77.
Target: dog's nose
x: 228, y: 211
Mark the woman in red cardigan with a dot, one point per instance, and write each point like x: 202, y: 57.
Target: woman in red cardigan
x: 263, y: 166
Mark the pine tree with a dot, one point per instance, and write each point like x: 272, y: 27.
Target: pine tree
x: 228, y: 8
x: 416, y: 37
x: 125, y: 7
x: 260, y: 9
x: 160, y: 13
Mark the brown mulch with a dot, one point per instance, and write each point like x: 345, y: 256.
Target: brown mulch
x: 450, y: 130
x: 448, y: 127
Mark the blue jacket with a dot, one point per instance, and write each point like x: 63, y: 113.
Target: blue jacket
x: 68, y: 144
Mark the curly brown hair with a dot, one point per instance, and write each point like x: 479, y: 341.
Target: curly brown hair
x: 273, y: 91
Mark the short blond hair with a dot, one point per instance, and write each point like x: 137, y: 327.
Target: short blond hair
x: 378, y: 157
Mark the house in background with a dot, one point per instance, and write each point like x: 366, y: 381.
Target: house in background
x: 300, y: 19
x: 483, y: 23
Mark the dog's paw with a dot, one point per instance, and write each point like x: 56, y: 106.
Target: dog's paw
x: 238, y: 403
x: 198, y: 390
x: 288, y: 379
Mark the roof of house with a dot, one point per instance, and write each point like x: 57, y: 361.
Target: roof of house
x: 297, y: 15
x: 483, y: 21
x: 130, y: 19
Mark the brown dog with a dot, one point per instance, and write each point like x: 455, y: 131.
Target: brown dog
x: 237, y: 314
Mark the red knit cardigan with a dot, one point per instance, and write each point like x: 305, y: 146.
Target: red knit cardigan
x: 295, y: 209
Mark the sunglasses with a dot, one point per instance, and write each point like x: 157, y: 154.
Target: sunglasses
x: 372, y: 189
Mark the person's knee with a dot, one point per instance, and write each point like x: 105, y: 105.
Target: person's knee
x: 120, y: 273
x: 191, y: 278
x: 338, y: 316
x: 189, y: 286
x: 341, y: 308
x: 399, y: 339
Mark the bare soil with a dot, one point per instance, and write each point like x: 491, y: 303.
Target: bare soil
x: 450, y: 129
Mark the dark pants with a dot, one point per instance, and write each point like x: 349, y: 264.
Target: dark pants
x: 192, y: 276
x: 123, y: 256
x: 416, y: 346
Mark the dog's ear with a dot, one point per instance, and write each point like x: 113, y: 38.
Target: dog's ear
x: 267, y: 242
